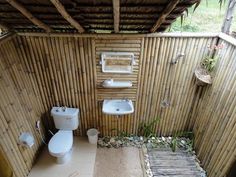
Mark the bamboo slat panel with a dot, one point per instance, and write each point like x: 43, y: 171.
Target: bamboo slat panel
x: 216, y: 117
x: 160, y: 81
x: 19, y: 109
x: 64, y: 70
x: 113, y: 125
x: 117, y: 45
x: 68, y: 73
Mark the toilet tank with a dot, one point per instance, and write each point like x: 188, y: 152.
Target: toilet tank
x: 65, y: 118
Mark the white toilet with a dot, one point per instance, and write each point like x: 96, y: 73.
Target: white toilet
x: 60, y: 145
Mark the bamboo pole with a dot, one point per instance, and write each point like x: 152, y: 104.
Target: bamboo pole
x: 61, y: 9
x: 228, y: 16
x: 79, y: 83
x: 164, y: 14
x: 116, y: 14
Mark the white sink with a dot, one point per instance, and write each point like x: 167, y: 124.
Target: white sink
x: 117, y: 107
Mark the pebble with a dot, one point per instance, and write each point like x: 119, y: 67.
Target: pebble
x: 182, y: 141
x: 136, y: 141
x: 163, y: 138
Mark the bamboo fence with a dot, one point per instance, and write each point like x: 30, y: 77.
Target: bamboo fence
x: 39, y: 71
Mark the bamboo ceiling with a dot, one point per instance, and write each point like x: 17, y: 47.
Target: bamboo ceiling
x: 91, y: 16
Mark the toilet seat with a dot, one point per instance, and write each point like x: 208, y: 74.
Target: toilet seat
x: 60, y: 143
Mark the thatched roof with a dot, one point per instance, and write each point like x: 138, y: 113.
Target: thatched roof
x: 91, y: 15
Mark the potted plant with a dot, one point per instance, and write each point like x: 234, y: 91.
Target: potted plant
x: 207, y: 65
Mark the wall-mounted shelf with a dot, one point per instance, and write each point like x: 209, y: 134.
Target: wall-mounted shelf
x: 110, y: 83
x: 117, y: 62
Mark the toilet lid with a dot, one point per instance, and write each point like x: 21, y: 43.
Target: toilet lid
x: 61, y: 142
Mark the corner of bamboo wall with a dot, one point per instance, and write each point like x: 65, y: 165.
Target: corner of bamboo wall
x: 19, y: 109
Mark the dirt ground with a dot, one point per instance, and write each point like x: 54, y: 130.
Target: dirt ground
x: 121, y: 162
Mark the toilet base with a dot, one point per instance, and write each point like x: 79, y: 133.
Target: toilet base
x: 64, y: 159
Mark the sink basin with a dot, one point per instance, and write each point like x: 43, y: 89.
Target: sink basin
x: 117, y: 107
x: 110, y: 83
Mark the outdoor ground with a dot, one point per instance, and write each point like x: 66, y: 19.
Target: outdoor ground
x: 208, y: 17
x: 120, y: 162
x: 140, y: 162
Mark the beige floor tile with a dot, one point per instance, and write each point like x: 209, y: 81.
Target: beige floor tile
x: 80, y: 165
x: 121, y: 162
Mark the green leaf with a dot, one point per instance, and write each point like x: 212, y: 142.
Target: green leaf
x: 173, y: 144
x: 196, y: 5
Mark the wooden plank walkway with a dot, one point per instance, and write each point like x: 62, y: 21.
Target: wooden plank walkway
x: 165, y: 163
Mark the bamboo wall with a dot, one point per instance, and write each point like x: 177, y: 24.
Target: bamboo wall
x: 160, y: 81
x: 215, y: 124
x: 40, y: 72
x: 68, y: 73
x: 19, y: 109
x: 5, y: 168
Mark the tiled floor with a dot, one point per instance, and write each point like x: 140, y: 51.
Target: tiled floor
x: 121, y: 162
x: 80, y: 165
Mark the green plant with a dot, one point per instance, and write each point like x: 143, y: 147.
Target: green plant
x: 146, y: 129
x: 121, y: 134
x: 174, y: 141
x: 209, y: 61
x: 173, y: 144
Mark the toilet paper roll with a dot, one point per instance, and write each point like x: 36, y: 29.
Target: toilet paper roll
x: 26, y: 139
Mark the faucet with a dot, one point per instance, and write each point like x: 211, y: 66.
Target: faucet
x: 175, y: 60
x: 126, y: 99
x: 64, y: 108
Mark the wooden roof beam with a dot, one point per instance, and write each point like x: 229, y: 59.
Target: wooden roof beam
x: 29, y: 15
x: 116, y: 15
x: 61, y: 9
x: 164, y: 14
